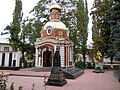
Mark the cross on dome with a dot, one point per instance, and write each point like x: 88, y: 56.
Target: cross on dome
x: 54, y: 2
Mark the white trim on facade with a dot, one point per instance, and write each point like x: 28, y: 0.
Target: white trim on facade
x: 62, y: 56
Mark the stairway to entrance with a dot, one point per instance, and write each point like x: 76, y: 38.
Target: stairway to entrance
x: 41, y: 69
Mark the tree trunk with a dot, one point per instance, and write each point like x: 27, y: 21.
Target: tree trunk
x: 111, y: 59
x: 84, y: 58
x: 23, y: 58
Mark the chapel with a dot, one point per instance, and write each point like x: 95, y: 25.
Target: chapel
x: 54, y: 35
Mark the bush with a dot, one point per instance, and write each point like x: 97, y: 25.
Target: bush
x: 3, y: 80
x: 90, y: 65
x: 3, y: 84
x: 80, y: 64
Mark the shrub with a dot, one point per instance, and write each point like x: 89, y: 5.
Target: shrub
x: 80, y: 64
x: 3, y: 81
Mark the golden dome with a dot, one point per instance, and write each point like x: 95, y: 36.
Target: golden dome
x: 54, y: 10
x: 55, y: 7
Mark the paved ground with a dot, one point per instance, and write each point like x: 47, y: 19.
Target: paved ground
x: 87, y: 81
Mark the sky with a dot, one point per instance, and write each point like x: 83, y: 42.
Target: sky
x: 7, y: 8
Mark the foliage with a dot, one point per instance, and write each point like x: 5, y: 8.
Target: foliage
x: 3, y: 82
x: 15, y: 28
x: 40, y: 13
x: 101, y: 27
x: 80, y: 64
x: 114, y: 21
x: 12, y: 86
x: 90, y: 65
x: 82, y: 26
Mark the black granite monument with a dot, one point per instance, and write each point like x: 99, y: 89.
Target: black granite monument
x: 72, y: 72
x: 56, y: 77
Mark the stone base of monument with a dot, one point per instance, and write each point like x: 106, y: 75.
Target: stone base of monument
x: 56, y: 80
x: 56, y: 77
x: 99, y: 68
x: 72, y: 72
x: 98, y: 71
x: 117, y: 74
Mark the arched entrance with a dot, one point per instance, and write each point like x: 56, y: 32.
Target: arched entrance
x: 47, y: 59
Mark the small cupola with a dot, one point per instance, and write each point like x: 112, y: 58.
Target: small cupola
x: 55, y: 12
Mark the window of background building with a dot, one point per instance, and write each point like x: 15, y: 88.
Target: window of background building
x: 6, y: 48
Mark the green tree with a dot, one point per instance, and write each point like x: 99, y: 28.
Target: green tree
x: 26, y: 43
x: 101, y: 27
x: 114, y: 21
x: 40, y: 13
x: 70, y: 20
x: 15, y: 27
x: 82, y: 26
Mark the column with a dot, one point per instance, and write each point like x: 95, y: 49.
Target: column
x: 14, y: 59
x: 71, y: 57
x: 6, y: 59
x: 36, y: 58
x: 55, y: 48
x: 68, y: 55
x: 62, y: 55
x: 17, y: 59
x: 0, y: 58
x: 39, y: 57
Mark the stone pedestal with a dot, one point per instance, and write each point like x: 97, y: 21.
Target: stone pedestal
x: 99, y: 68
x: 56, y: 77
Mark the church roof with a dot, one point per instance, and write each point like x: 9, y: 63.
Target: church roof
x: 55, y: 25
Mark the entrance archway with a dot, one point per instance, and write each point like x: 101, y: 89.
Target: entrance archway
x: 47, y: 59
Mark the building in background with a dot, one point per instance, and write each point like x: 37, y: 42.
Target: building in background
x: 54, y: 35
x: 9, y: 59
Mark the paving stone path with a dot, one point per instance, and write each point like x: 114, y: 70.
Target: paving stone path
x: 87, y: 81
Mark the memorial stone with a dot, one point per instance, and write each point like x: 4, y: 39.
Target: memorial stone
x: 56, y: 77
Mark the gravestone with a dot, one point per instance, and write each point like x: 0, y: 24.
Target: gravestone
x: 72, y: 72
x: 56, y: 77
